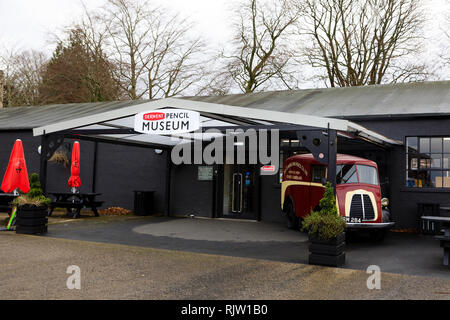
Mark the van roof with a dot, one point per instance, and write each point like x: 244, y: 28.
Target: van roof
x: 341, y: 159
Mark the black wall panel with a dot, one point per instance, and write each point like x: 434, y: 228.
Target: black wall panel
x: 190, y: 196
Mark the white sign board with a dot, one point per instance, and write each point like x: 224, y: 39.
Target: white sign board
x: 168, y: 121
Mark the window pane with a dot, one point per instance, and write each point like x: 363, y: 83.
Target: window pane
x: 294, y: 143
x: 446, y: 144
x: 436, y: 179
x: 425, y: 163
x: 436, y: 160
x: 436, y: 144
x: 446, y: 179
x: 424, y: 179
x: 446, y: 161
x: 367, y: 174
x: 412, y: 162
x: 346, y: 174
x: 285, y: 142
x: 411, y: 144
x: 424, y: 145
x: 411, y: 179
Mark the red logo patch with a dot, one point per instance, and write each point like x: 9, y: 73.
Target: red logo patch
x: 152, y: 116
x: 268, y: 168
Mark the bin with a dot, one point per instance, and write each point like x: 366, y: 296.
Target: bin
x: 143, y: 203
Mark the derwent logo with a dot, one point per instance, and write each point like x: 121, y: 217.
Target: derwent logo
x: 268, y: 168
x: 154, y: 116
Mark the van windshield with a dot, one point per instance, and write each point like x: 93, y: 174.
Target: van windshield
x: 367, y: 174
x: 347, y: 174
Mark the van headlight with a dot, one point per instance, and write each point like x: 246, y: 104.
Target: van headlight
x: 384, y: 202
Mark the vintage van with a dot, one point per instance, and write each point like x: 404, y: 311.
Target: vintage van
x: 358, y: 194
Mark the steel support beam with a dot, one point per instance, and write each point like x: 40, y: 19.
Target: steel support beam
x: 332, y: 158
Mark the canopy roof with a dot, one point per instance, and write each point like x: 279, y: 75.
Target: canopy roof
x: 118, y: 124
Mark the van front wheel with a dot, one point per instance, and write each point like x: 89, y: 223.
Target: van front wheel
x: 292, y: 221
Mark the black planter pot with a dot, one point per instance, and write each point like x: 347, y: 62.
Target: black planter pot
x: 327, y: 252
x: 31, y: 220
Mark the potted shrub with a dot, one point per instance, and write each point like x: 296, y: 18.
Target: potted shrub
x: 326, y: 232
x: 32, y: 209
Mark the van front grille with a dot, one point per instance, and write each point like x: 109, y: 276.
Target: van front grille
x: 356, y: 207
x: 361, y: 208
x: 369, y: 213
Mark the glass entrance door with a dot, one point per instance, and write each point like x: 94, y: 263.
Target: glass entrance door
x: 240, y: 196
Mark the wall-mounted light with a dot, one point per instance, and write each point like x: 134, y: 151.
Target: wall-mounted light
x: 39, y: 149
x: 159, y: 151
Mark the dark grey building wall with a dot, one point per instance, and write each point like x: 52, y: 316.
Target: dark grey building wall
x: 123, y: 169
x: 270, y: 199
x: 188, y: 194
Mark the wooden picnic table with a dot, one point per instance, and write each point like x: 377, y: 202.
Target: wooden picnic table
x: 445, y: 239
x: 75, y: 201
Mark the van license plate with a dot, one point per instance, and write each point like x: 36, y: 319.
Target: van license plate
x: 353, y: 220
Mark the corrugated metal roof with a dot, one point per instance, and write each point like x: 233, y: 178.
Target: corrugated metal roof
x: 392, y: 99
x: 380, y: 100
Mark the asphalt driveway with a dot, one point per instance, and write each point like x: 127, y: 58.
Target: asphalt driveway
x: 36, y: 267
x: 400, y: 253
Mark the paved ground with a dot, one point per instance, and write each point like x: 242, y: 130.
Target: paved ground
x: 399, y: 253
x: 34, y: 267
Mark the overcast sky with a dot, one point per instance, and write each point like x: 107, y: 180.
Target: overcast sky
x: 27, y: 23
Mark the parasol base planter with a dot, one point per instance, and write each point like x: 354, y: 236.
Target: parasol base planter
x: 31, y: 220
x: 327, y: 253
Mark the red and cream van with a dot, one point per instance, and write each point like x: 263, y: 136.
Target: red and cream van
x: 358, y: 194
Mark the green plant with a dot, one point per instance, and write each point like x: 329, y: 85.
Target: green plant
x: 35, y: 196
x: 325, y: 223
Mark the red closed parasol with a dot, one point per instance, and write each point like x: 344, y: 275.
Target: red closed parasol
x: 16, y: 175
x: 74, y: 180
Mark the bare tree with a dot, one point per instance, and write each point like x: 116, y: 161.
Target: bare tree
x: 23, y: 76
x: 261, y: 54
x: 95, y: 35
x: 363, y: 42
x: 174, y: 62
x: 127, y: 27
x: 443, y: 43
x: 155, y: 55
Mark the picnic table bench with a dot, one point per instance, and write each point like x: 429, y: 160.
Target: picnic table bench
x: 75, y: 201
x: 444, y: 239
x: 5, y: 200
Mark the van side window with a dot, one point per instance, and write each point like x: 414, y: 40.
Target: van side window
x: 318, y: 173
x: 346, y: 174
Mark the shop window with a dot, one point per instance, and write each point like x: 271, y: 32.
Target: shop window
x: 428, y: 162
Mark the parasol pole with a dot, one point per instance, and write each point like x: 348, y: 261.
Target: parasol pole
x: 13, y: 212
